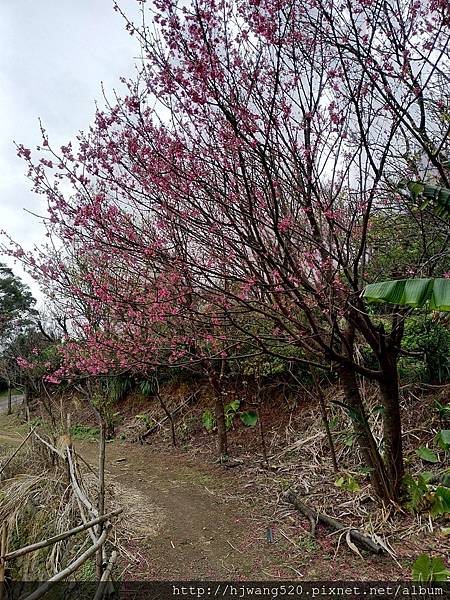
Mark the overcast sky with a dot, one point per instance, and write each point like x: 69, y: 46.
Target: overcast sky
x: 54, y: 54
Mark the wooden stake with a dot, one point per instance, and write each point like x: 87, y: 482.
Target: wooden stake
x: 3, y: 559
x: 105, y: 580
x: 101, y: 492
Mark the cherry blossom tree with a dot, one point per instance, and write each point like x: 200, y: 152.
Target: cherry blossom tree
x: 244, y: 166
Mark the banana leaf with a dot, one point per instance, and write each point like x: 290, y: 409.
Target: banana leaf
x: 417, y: 293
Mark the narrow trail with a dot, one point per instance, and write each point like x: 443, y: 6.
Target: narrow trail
x: 184, y: 518
x: 188, y: 519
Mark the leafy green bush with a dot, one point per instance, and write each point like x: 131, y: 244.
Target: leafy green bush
x: 146, y: 420
x: 422, y: 496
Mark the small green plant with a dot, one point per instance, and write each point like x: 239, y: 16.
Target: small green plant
x: 349, y: 438
x: 307, y: 542
x: 417, y: 492
x: 347, y: 482
x: 446, y: 478
x: 443, y: 410
x: 146, y: 420
x: 441, y: 501
x: 427, y: 569
x: 249, y: 417
x: 443, y: 439
x: 422, y: 496
x: 427, y: 455
x: 230, y: 411
x: 208, y: 420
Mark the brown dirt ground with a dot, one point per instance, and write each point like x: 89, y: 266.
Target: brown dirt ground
x: 190, y: 518
x: 188, y: 521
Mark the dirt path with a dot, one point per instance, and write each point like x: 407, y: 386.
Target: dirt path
x: 184, y: 518
x: 187, y: 519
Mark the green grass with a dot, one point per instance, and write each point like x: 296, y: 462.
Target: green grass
x: 87, y: 571
x: 84, y: 433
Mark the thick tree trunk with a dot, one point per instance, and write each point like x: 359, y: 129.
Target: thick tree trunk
x: 378, y: 474
x: 393, y: 450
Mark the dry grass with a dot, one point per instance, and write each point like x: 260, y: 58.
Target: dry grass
x: 37, y: 502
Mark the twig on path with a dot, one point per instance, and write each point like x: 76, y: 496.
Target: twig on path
x: 295, y: 570
x: 288, y: 538
x: 234, y: 547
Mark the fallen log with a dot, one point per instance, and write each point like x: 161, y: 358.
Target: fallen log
x: 360, y: 538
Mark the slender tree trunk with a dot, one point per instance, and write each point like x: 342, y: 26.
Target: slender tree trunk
x: 325, y: 421
x: 170, y: 417
x: 101, y: 495
x: 326, y: 424
x: 378, y: 475
x: 219, y: 413
x: 9, y: 398
x: 392, y: 426
x: 26, y: 399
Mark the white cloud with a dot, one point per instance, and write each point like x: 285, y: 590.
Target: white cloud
x: 53, y: 57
